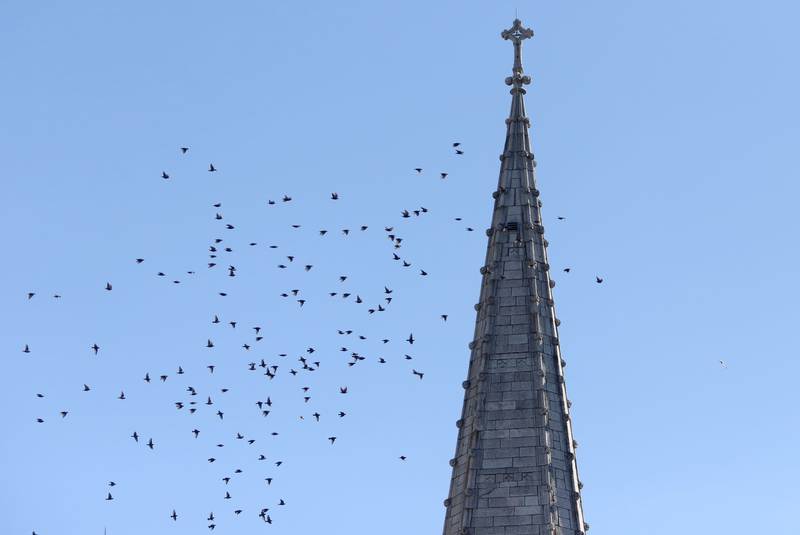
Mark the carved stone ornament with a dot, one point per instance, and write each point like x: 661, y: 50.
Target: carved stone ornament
x: 517, y: 33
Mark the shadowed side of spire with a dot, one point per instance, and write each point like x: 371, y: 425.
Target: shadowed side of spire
x: 514, y: 470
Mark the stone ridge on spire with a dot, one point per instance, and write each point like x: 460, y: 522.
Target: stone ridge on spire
x: 514, y: 470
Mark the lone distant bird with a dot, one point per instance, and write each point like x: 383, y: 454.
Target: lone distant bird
x: 211, y: 168
x: 419, y: 374
x: 109, y: 497
x: 443, y: 175
x: 164, y: 175
x: 567, y: 270
x: 184, y: 150
x: 174, y: 515
x: 332, y: 439
x: 723, y: 364
x: 95, y: 348
x: 598, y: 280
x: 108, y: 286
x: 444, y: 317
x: 418, y: 170
x: 334, y: 196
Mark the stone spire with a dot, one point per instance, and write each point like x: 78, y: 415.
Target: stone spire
x: 514, y: 470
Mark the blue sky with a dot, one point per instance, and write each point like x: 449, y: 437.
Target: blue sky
x: 665, y: 133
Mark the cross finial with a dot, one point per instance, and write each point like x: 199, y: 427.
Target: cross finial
x: 516, y: 34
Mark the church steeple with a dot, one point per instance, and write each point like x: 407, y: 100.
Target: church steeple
x: 514, y: 471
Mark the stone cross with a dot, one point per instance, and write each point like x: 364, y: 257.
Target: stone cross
x: 516, y: 34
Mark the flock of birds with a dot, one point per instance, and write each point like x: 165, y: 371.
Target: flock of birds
x: 220, y: 255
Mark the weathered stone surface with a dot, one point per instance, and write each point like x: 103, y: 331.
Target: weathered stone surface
x: 514, y: 469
